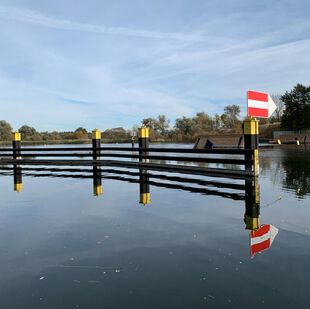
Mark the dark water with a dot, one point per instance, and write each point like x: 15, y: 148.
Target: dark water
x: 64, y: 247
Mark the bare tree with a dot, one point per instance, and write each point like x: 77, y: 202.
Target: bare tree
x: 280, y: 106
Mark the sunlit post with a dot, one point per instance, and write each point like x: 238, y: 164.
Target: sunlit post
x: 250, y: 132
x: 17, y: 170
x: 144, y: 141
x: 96, y: 142
x: 16, y: 140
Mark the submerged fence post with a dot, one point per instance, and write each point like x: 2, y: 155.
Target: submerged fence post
x: 144, y: 141
x: 250, y: 132
x: 96, y: 138
x: 16, y: 138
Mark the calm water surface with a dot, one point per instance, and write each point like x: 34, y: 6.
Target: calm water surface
x: 63, y: 247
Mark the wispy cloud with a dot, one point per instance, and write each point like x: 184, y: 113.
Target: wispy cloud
x: 78, y: 102
x: 120, y: 75
x: 40, y: 19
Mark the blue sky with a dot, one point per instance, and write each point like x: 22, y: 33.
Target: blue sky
x: 99, y: 63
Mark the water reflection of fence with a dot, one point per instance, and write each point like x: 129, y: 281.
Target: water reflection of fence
x: 261, y: 236
x: 247, y: 191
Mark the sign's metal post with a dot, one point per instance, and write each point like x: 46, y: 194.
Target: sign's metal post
x: 250, y: 132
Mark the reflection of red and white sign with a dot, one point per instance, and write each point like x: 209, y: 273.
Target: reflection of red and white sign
x: 262, y: 238
x: 260, y: 104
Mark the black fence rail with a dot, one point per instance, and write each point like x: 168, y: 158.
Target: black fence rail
x: 230, y: 162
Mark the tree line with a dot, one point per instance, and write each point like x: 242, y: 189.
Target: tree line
x: 184, y: 129
x: 293, y: 113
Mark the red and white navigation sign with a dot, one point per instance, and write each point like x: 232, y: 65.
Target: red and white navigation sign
x: 262, y: 238
x: 260, y: 104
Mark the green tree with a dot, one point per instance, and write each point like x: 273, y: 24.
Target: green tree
x: 81, y: 133
x: 296, y: 115
x: 29, y: 133
x: 202, y: 123
x: 159, y: 126
x: 5, y: 131
x: 185, y: 125
x: 230, y: 118
x: 162, y: 125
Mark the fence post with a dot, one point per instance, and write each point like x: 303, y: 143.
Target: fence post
x: 16, y: 138
x: 96, y: 141
x: 144, y: 141
x: 17, y: 172
x: 250, y: 132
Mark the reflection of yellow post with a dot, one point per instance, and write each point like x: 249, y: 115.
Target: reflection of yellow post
x: 252, y: 204
x: 97, y: 185
x: 250, y: 131
x: 18, y: 183
x: 145, y: 195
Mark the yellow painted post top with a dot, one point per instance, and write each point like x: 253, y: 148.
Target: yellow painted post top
x: 16, y: 136
x: 96, y: 134
x: 252, y: 223
x: 144, y: 132
x: 18, y: 187
x: 145, y: 198
x: 250, y: 126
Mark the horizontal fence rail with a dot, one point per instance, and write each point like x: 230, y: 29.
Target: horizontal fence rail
x: 186, y: 160
x: 135, y: 149
x: 149, y: 157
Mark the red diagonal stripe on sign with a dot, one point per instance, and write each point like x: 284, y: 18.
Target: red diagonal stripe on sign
x: 261, y: 231
x: 260, y: 246
x: 258, y: 96
x: 258, y: 112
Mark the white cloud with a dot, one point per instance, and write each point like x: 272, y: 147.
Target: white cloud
x: 37, y: 18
